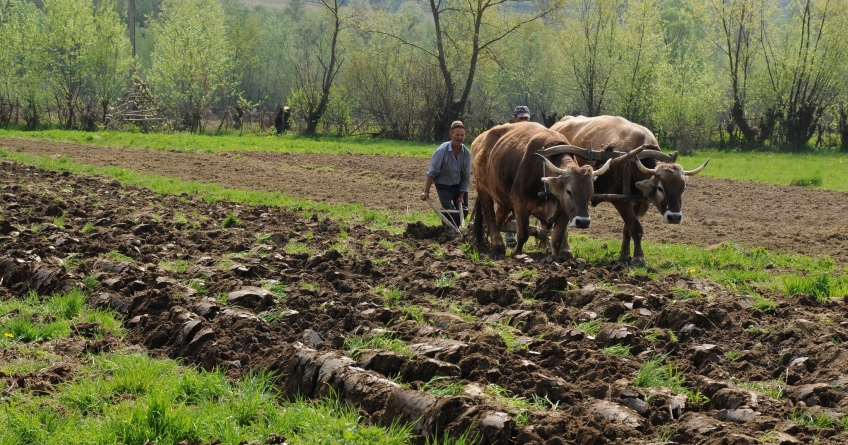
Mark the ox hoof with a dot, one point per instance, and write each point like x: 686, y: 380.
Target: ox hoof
x: 638, y: 261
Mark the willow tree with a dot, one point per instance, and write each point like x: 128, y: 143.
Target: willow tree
x: 466, y: 32
x: 190, y: 57
x: 110, y: 58
x: 802, y: 57
x: 69, y: 29
x: 734, y: 27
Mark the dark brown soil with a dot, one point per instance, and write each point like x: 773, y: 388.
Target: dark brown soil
x: 233, y: 322
x: 781, y: 219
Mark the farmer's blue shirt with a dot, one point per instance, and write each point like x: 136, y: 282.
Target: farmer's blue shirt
x: 445, y: 169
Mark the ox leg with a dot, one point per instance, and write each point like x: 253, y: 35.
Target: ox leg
x: 501, y: 215
x: 632, y: 230
x: 522, y: 230
x: 496, y: 244
x: 559, y: 239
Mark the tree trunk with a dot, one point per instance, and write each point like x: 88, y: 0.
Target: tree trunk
x: 738, y: 114
x: 842, y: 128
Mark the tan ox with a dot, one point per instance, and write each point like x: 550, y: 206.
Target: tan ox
x: 662, y: 183
x: 510, y: 173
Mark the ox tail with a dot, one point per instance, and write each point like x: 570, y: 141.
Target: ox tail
x: 478, y: 222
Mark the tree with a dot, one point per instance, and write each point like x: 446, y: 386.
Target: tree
x: 589, y: 40
x: 110, y: 60
x: 316, y: 70
x: 641, y: 51
x: 190, y: 57
x: 243, y: 31
x: 733, y: 27
x: 465, y: 33
x: 69, y: 27
x: 26, y: 56
x: 802, y: 58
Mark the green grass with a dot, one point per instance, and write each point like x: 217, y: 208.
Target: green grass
x: 617, y: 350
x: 821, y: 170
x: 114, y: 255
x: 507, y: 335
x: 37, y: 319
x: 524, y: 274
x: 820, y: 285
x: 773, y: 389
x: 380, y: 341
x: 443, y: 386
x: 591, y: 327
x: 194, y: 143
x: 655, y: 373
x: 230, y: 220
x: 175, y: 265
x: 390, y: 294
x: 135, y: 399
x: 447, y: 279
x: 806, y: 418
x: 88, y: 228
x: 394, y: 223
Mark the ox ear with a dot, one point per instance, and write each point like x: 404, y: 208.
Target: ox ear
x: 554, y: 182
x: 647, y: 187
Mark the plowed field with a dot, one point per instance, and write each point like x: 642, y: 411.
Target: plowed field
x: 446, y: 342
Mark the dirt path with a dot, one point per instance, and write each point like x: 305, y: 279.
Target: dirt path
x: 782, y: 219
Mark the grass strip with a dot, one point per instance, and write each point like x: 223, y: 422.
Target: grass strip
x: 260, y: 142
x: 822, y: 170
x: 393, y: 222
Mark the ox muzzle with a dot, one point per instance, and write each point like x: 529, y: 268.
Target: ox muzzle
x: 580, y: 222
x: 672, y: 217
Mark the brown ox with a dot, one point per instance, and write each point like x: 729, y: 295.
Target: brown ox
x: 511, y: 174
x: 662, y: 183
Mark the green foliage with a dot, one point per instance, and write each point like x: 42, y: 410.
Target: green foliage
x: 617, y: 350
x: 229, y: 221
x: 523, y: 274
x: 773, y: 389
x: 175, y: 404
x: 190, y: 58
x: 443, y: 386
x: 175, y: 265
x: 391, y: 295
x: 820, y: 285
x: 764, y: 304
x: 509, y: 338
x: 88, y: 228
x: 806, y: 418
x: 118, y: 256
x: 378, y: 341
x: 807, y: 182
x: 447, y: 279
x: 591, y: 327
x: 655, y: 373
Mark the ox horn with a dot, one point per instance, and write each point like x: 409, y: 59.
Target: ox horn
x: 603, y: 169
x: 697, y: 170
x: 551, y: 165
x: 644, y: 169
x: 559, y: 149
x: 658, y: 155
x: 628, y: 155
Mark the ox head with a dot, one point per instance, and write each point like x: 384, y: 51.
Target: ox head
x: 573, y: 187
x: 665, y: 188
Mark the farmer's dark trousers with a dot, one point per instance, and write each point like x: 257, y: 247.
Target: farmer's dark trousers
x: 449, y: 198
